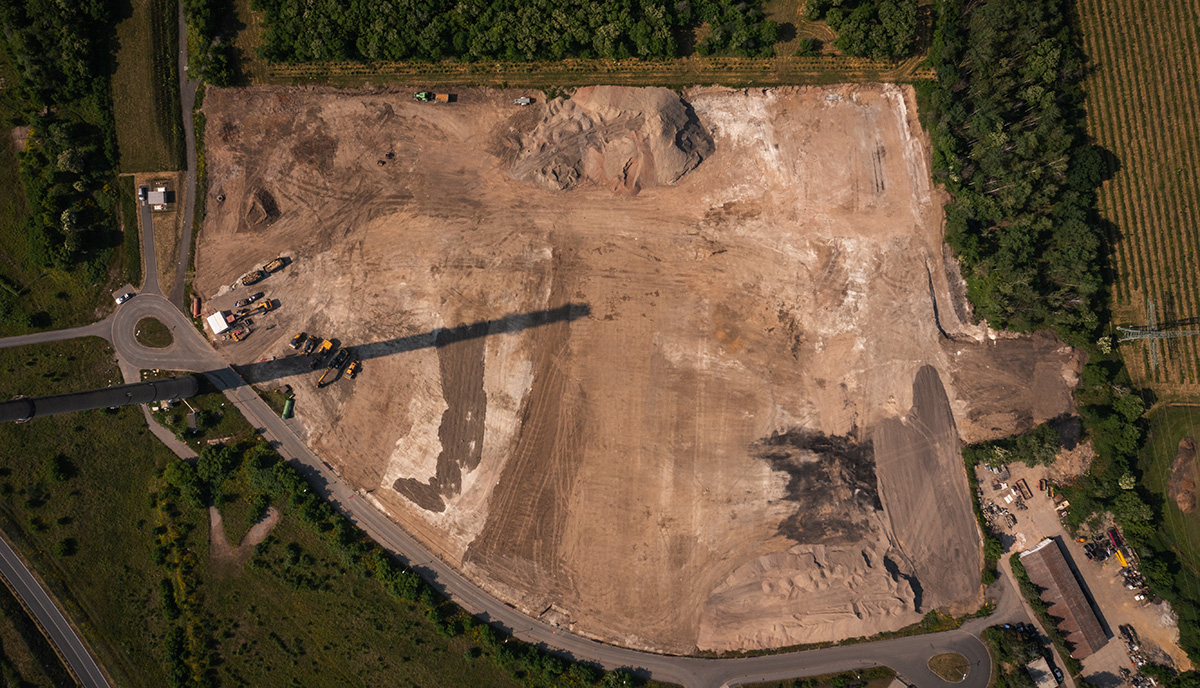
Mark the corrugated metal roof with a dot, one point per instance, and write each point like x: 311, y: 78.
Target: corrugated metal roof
x: 1048, y: 568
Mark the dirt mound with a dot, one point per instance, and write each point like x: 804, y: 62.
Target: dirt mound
x: 622, y: 137
x: 1182, y: 487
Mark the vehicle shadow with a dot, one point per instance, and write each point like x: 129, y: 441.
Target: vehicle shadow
x: 298, y: 363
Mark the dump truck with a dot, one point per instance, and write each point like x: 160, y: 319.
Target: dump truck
x: 273, y: 266
x: 352, y: 369
x: 339, y: 359
x: 431, y: 97
x: 253, y: 277
x: 298, y: 341
x: 313, y: 342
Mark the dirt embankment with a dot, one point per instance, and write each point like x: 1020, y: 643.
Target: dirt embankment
x: 721, y: 412
x: 1182, y: 486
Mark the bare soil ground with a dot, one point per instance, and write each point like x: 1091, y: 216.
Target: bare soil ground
x: 222, y: 553
x: 1182, y: 486
x: 715, y: 412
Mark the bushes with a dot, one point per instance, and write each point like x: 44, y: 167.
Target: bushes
x: 1038, y: 447
x: 393, y: 30
x: 879, y: 29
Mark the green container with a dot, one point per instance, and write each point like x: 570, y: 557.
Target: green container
x: 287, y: 408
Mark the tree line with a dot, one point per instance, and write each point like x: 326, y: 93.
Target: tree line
x: 878, y: 29
x: 61, y: 51
x: 516, y: 30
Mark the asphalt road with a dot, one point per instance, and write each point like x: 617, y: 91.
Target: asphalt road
x: 61, y: 633
x: 187, y: 99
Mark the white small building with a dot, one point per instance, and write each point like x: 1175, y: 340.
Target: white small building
x: 217, y: 323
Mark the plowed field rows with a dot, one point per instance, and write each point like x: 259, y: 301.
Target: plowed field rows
x: 1143, y: 104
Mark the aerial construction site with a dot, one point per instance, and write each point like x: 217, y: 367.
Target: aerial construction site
x: 677, y: 371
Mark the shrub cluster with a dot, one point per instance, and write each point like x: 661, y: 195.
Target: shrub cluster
x: 879, y: 29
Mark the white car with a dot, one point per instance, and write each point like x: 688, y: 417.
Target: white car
x: 124, y: 297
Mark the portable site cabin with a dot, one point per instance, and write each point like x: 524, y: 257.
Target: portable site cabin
x: 217, y: 323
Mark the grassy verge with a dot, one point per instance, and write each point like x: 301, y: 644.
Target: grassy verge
x: 950, y: 666
x: 152, y: 333
x: 1167, y: 427
x: 877, y: 677
x: 318, y: 604
x: 132, y: 241
x: 275, y: 398
x: 146, y: 88
x: 200, y: 192
x: 27, y: 659
x: 1034, y: 594
x: 216, y: 417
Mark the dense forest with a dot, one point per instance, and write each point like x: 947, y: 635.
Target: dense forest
x: 1007, y: 123
x: 210, y: 54
x: 879, y: 29
x: 393, y: 30
x: 61, y: 50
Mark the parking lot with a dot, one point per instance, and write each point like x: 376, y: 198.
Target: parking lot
x: 1023, y: 518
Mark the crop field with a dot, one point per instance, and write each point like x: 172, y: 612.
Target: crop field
x: 1143, y: 102
x: 145, y: 88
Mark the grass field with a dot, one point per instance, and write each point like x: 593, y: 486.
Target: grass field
x: 146, y: 88
x: 1168, y: 425
x: 81, y: 496
x: 27, y: 660
x: 152, y: 333
x: 1143, y: 103
x: 132, y: 239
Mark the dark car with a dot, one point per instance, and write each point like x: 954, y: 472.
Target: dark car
x: 248, y: 300
x: 340, y: 358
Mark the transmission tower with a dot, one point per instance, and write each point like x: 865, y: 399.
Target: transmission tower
x: 1151, y: 333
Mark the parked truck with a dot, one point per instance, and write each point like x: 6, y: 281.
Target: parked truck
x: 273, y: 266
x: 253, y: 277
x: 431, y: 97
x: 298, y: 341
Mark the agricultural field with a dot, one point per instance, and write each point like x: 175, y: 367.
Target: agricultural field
x: 1143, y: 104
x: 145, y: 88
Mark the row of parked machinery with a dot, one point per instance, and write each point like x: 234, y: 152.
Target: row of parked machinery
x: 327, y: 352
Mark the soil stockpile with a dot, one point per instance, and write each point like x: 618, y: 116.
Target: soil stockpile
x: 621, y: 137
x: 720, y: 413
x: 1182, y: 486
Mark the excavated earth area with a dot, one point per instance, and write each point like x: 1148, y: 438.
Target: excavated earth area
x: 676, y: 373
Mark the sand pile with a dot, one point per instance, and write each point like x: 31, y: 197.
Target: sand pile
x: 833, y: 592
x: 1182, y: 488
x: 625, y: 138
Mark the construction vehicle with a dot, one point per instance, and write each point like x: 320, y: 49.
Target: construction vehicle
x: 248, y: 300
x: 523, y: 100
x: 325, y: 346
x: 431, y: 97
x: 321, y: 381
x: 339, y: 359
x: 273, y: 266
x: 313, y: 342
x: 253, y: 277
x: 352, y: 369
x: 298, y: 341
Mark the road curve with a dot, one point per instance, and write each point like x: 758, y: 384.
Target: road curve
x: 61, y: 633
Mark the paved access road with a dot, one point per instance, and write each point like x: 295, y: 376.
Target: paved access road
x: 61, y: 633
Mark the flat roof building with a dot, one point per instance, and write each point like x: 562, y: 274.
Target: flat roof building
x: 1049, y: 569
x: 216, y: 322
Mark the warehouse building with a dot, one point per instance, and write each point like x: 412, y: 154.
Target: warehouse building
x: 1049, y: 569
